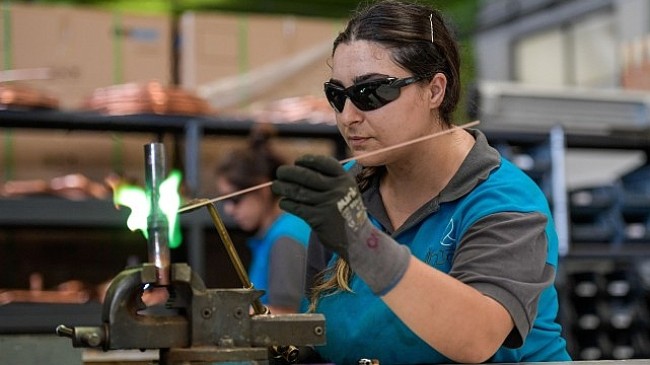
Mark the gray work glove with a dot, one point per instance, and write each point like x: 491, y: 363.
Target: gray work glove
x: 321, y: 192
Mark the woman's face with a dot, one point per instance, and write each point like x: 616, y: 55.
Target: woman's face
x: 248, y: 210
x: 404, y: 119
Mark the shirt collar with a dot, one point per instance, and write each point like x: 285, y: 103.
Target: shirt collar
x: 476, y: 167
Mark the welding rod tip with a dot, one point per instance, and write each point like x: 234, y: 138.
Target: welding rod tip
x: 193, y: 205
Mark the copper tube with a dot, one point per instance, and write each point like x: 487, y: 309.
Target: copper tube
x: 289, y: 352
x: 157, y: 223
x: 258, y: 307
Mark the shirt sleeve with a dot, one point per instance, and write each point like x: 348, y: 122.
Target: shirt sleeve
x: 286, y: 273
x: 503, y: 255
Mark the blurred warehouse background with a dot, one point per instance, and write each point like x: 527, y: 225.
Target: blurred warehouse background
x: 562, y: 87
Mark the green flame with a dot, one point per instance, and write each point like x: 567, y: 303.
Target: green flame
x: 135, y: 198
x: 170, y: 201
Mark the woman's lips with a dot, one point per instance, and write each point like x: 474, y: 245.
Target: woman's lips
x: 356, y: 142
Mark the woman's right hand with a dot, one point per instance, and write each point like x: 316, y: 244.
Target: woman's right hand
x: 321, y: 192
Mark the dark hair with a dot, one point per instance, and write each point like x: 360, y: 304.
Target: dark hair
x: 254, y: 164
x: 405, y: 28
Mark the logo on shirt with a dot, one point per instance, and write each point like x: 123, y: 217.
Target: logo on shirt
x: 447, y: 238
x: 441, y: 256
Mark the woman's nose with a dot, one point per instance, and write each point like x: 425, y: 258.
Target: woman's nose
x: 350, y: 114
x: 228, y: 207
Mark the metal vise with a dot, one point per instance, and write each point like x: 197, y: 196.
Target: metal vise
x: 212, y: 325
x: 205, y: 325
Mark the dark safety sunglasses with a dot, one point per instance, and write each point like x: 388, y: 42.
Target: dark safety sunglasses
x: 367, y: 95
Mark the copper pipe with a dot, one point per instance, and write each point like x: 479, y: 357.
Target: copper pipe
x: 289, y: 352
x: 157, y: 223
x: 258, y: 307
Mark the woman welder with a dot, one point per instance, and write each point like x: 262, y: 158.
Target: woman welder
x: 443, y: 250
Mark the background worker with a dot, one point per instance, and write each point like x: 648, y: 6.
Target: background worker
x: 278, y: 246
x: 444, y: 250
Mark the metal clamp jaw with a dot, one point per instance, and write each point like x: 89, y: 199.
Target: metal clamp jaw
x: 210, y: 325
x: 205, y: 325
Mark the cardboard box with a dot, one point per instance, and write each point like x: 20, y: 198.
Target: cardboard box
x: 36, y: 154
x: 235, y: 60
x: 83, y: 49
x: 147, y: 48
x: 4, y: 59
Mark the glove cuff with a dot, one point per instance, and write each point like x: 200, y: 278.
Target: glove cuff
x: 378, y: 259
